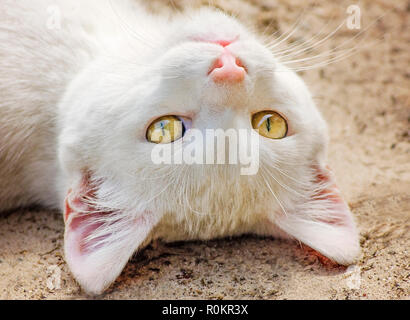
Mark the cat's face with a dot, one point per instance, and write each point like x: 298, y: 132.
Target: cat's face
x: 118, y: 196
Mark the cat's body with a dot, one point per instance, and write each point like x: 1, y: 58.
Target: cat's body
x: 44, y: 45
x: 75, y: 103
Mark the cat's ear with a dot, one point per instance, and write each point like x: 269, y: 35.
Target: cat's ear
x: 99, y: 242
x: 324, y: 222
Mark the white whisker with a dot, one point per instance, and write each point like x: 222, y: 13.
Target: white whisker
x: 299, y: 46
x: 286, y: 35
x: 314, y: 45
x: 335, y: 59
x: 335, y: 54
x: 323, y: 54
x: 128, y: 29
x: 285, y: 186
x: 273, y: 193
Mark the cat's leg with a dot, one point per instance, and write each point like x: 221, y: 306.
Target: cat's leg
x: 100, y: 241
x: 324, y: 223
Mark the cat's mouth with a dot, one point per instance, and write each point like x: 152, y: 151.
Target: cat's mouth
x: 222, y: 42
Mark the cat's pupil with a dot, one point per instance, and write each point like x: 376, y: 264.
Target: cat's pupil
x: 183, y: 128
x: 268, y: 124
x: 162, y: 125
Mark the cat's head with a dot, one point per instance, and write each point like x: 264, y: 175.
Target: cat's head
x: 202, y: 71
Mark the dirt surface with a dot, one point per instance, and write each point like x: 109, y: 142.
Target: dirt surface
x: 365, y: 99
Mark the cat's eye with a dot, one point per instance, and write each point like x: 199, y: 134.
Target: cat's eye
x: 166, y: 129
x: 270, y: 124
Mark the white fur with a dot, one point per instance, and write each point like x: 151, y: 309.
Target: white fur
x: 80, y: 98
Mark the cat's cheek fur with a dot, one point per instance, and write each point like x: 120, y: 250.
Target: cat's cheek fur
x: 99, y: 243
x: 324, y: 222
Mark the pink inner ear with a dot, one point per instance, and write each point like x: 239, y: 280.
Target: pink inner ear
x: 324, y: 222
x: 332, y: 194
x: 75, y: 199
x: 83, y: 227
x: 82, y: 220
x: 98, y: 242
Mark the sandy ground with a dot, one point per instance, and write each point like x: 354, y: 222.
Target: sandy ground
x: 365, y: 99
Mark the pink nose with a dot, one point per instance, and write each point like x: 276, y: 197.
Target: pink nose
x: 227, y: 68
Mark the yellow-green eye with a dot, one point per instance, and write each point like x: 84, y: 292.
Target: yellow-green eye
x: 270, y: 124
x: 165, y: 130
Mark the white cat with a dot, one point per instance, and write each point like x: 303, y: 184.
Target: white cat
x: 85, y: 87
